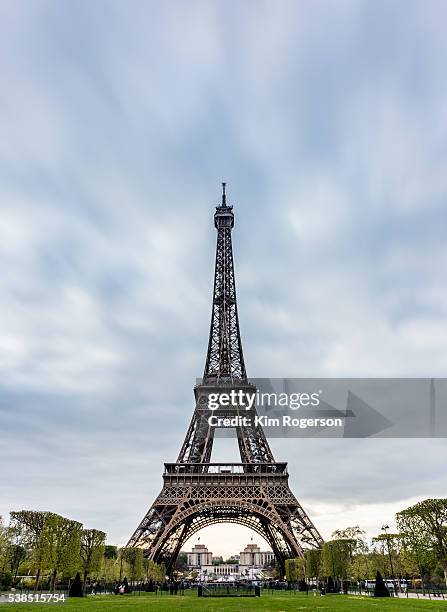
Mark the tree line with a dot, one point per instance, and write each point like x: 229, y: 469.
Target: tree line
x: 46, y: 548
x: 417, y: 550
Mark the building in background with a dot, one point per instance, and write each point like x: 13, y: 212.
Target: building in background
x: 252, y: 556
x: 227, y: 571
x: 248, y: 564
x: 199, y: 556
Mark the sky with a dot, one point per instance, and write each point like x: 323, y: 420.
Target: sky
x: 118, y: 122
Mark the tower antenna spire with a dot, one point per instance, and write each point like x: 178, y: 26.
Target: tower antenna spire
x: 224, y: 197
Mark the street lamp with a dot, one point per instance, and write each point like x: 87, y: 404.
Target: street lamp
x: 387, y: 538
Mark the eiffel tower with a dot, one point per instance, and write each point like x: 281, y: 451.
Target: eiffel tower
x: 196, y: 492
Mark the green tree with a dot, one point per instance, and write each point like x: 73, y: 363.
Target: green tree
x: 17, y: 549
x: 133, y: 557
x: 6, y: 577
x: 393, y: 546
x: 360, y: 567
x: 419, y: 559
x: 335, y: 557
x: 109, y: 567
x: 409, y: 563
x: 353, y: 538
x: 15, y: 554
x: 295, y: 569
x: 423, y: 530
x: 312, y: 558
x: 301, y: 568
x: 379, y: 559
x: 64, y: 538
x: 291, y: 570
x: 31, y: 525
x: 356, y: 550
x: 154, y: 571
x: 91, y: 551
x: 3, y: 542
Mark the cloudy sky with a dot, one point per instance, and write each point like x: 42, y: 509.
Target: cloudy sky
x: 117, y: 123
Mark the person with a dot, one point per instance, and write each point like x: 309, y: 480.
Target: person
x: 121, y: 589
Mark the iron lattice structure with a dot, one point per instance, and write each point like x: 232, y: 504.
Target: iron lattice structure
x: 197, y: 493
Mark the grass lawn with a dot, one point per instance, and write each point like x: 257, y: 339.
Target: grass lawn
x: 278, y: 602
